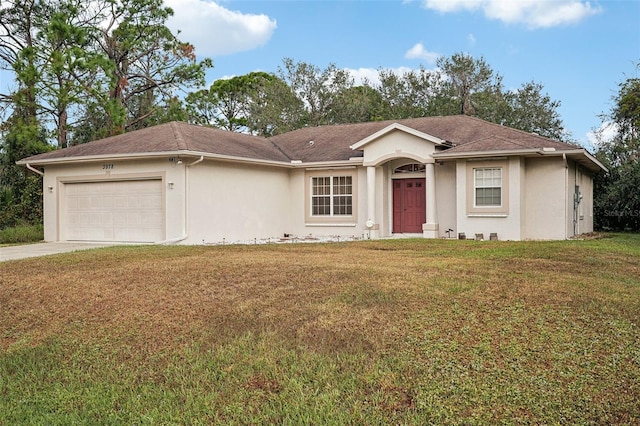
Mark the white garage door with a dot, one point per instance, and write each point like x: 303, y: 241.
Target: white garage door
x: 120, y: 211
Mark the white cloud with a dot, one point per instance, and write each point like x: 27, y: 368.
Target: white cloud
x: 371, y: 75
x: 214, y: 30
x: 419, y: 52
x: 532, y: 13
x: 361, y: 75
x: 453, y: 5
x: 605, y: 133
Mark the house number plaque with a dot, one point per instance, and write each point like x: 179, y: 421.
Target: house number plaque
x: 107, y: 166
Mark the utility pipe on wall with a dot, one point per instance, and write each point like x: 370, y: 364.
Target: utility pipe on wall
x: 34, y: 169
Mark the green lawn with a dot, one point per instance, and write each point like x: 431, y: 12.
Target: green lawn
x: 372, y: 332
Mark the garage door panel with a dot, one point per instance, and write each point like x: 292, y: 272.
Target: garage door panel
x: 126, y: 211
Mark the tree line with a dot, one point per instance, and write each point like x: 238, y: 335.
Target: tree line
x: 87, y: 70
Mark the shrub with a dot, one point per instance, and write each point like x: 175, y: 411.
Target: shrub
x: 22, y: 234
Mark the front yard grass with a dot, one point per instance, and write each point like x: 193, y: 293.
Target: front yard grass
x: 370, y: 332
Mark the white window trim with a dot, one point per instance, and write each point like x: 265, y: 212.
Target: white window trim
x: 476, y: 187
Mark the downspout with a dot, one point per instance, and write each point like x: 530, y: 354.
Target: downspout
x: 34, y: 169
x: 566, y: 192
x: 185, y: 223
x: 576, y: 201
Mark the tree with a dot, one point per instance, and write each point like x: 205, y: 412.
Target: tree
x: 147, y: 65
x: 64, y: 48
x: 405, y: 95
x: 356, y: 105
x: 19, y: 22
x: 227, y: 102
x: 617, y: 200
x: 317, y: 88
x: 274, y: 108
x: 21, y: 135
x: 465, y: 80
x: 20, y: 189
x: 533, y: 111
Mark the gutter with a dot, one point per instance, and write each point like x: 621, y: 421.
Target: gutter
x: 159, y: 154
x: 34, y: 169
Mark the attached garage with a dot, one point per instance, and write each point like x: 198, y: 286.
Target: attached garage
x: 178, y: 183
x: 113, y: 211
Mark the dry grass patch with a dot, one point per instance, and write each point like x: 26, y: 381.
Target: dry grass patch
x: 406, y: 331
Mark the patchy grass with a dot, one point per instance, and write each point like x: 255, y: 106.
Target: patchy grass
x: 372, y: 332
x: 21, y: 234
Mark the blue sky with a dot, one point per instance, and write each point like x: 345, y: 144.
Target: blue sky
x: 578, y: 50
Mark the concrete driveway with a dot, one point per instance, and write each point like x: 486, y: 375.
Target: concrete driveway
x: 44, y: 249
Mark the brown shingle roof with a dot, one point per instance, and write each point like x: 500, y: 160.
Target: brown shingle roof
x: 311, y: 144
x: 173, y: 137
x: 331, y: 143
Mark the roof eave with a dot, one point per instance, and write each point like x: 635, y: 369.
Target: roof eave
x: 353, y: 161
x: 483, y: 154
x: 95, y: 158
x: 589, y: 160
x: 152, y: 155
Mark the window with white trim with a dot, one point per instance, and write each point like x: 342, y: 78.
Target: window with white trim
x: 487, y: 185
x: 332, y: 196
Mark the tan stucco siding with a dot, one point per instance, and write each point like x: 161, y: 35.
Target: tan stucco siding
x: 545, y: 195
x: 231, y: 202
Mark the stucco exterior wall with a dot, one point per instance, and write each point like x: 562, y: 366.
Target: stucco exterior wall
x: 56, y: 177
x: 233, y: 202
x: 579, y: 210
x: 347, y: 227
x: 545, y: 198
x: 446, y: 198
x: 586, y: 204
x: 506, y: 223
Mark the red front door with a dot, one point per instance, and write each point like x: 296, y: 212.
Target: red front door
x: 409, y: 208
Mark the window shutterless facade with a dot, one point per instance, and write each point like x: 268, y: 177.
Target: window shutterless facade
x: 487, y: 190
x: 332, y: 196
x: 487, y: 187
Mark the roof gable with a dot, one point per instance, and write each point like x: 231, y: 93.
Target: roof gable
x: 490, y: 143
x: 396, y: 127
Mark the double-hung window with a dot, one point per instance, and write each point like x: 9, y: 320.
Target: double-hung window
x: 332, y: 196
x: 487, y: 187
